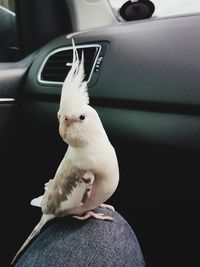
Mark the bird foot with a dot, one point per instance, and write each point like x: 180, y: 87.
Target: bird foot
x: 106, y: 206
x: 98, y: 216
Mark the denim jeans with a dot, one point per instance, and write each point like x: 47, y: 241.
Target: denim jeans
x: 71, y: 242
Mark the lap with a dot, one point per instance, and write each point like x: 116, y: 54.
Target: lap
x: 70, y: 242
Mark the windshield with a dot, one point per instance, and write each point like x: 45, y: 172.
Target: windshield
x: 165, y: 8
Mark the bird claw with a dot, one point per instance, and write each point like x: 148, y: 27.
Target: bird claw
x: 98, y: 216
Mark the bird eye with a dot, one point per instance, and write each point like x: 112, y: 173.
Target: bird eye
x: 82, y: 117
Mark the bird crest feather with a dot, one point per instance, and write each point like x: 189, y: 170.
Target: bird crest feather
x: 74, y: 91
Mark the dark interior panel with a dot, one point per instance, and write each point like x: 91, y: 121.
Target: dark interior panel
x: 12, y: 76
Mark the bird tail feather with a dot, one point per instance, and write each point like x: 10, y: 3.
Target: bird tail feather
x: 34, y: 233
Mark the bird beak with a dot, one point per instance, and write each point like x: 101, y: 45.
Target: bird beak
x: 62, y: 127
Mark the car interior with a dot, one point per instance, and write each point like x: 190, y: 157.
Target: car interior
x: 143, y: 75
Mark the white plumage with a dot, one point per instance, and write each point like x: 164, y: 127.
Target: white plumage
x: 74, y: 93
x: 88, y: 174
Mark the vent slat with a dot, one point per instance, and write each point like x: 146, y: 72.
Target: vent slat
x: 56, y: 70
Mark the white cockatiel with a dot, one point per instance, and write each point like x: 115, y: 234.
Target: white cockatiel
x: 88, y: 174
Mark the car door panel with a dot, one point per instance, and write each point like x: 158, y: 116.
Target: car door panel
x: 12, y: 76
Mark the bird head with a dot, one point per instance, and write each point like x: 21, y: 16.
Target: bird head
x: 79, y: 123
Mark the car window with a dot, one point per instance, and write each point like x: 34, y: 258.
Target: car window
x: 8, y: 4
x: 8, y: 32
x: 165, y: 8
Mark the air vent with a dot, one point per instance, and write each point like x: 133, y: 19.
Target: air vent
x: 58, y: 63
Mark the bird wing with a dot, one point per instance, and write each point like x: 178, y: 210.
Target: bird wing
x: 37, y: 202
x: 70, y: 188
